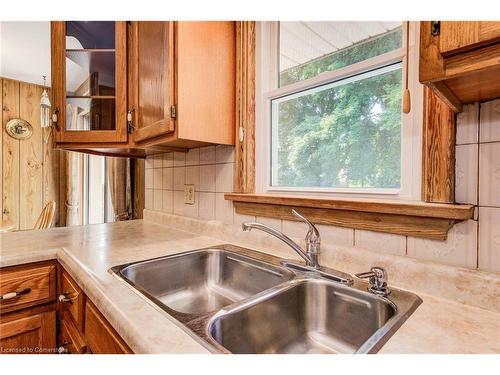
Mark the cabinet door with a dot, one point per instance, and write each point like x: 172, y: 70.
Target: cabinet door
x: 458, y: 36
x: 100, y: 335
x: 70, y: 338
x: 151, y: 78
x: 89, y: 85
x: 25, y: 333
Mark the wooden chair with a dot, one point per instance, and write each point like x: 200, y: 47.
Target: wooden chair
x: 46, y: 216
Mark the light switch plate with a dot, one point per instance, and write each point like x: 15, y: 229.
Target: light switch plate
x: 189, y: 194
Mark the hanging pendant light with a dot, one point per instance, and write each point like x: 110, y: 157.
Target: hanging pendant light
x: 45, y: 107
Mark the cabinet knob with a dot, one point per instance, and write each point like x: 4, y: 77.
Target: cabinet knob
x: 63, y: 348
x: 63, y: 298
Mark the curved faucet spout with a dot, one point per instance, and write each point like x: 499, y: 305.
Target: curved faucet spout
x: 247, y: 227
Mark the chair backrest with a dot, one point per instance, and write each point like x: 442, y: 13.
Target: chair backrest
x: 46, y: 216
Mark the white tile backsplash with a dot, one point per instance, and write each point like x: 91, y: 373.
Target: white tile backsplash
x: 168, y: 201
x: 207, y: 178
x: 148, y: 199
x: 157, y: 178
x: 193, y: 157
x: 158, y: 161
x: 460, y: 249
x: 179, y: 178
x: 193, y: 176
x: 490, y: 121
x: 206, y: 206
x: 179, y: 159
x: 148, y: 178
x: 336, y: 236
x: 168, y: 178
x: 223, y: 209
x: 466, y: 173
x: 224, y: 177
x: 224, y: 154
x: 489, y: 239
x: 207, y: 155
x: 157, y: 200
x: 240, y: 219
x: 467, y: 125
x: 168, y: 160
x: 380, y: 242
x: 489, y: 174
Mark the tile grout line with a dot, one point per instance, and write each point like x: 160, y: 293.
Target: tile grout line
x: 478, y: 182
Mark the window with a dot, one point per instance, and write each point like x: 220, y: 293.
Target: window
x: 331, y: 117
x: 97, y: 204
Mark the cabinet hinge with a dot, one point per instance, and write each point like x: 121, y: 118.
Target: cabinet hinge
x: 435, y: 28
x: 130, y: 126
x: 173, y: 111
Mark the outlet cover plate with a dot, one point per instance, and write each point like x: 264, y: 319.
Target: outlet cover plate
x: 189, y: 194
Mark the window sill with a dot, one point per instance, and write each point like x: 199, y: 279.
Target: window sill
x: 408, y: 218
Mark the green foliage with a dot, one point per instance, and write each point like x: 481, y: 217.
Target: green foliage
x: 344, y: 136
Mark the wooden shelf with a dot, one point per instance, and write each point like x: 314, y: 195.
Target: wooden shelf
x: 90, y: 50
x: 409, y: 218
x: 90, y: 96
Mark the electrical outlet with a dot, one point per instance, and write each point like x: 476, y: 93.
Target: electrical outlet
x: 189, y: 194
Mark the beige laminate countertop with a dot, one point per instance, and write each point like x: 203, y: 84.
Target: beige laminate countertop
x: 87, y: 253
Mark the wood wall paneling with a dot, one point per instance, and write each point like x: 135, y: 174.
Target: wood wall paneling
x: 438, y: 154
x: 30, y: 168
x: 10, y: 159
x: 30, y: 158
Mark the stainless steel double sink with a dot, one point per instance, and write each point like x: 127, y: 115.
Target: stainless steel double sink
x: 242, y: 301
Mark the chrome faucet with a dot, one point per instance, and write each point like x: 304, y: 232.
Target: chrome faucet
x: 313, y: 239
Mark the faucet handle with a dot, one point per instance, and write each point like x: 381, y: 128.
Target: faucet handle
x: 312, y: 236
x: 378, y: 280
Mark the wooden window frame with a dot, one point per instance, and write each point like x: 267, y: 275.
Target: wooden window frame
x: 432, y: 217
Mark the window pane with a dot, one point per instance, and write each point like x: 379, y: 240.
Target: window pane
x: 90, y: 114
x: 90, y: 34
x: 346, y: 134
x: 310, y: 48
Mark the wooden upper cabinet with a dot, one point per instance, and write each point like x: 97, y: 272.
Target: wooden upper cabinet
x: 465, y: 35
x: 152, y: 87
x: 89, y: 81
x: 459, y: 60
x: 151, y: 77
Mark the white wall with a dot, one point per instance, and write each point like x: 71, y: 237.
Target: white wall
x: 25, y: 51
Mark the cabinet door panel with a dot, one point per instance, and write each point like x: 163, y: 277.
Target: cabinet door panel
x: 28, y: 334
x: 71, y: 339
x: 89, y: 81
x: 74, y: 302
x: 100, y: 335
x: 458, y: 36
x: 151, y: 74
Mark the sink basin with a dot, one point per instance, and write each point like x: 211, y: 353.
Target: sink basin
x: 309, y: 316
x: 202, y: 281
x: 238, y: 300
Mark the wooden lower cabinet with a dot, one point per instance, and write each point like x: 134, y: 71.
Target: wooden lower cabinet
x: 100, y: 336
x: 71, y: 341
x: 31, y: 331
x: 32, y: 322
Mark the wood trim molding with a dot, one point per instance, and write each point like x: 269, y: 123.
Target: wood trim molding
x: 408, y: 218
x: 438, y: 153
x: 244, y: 181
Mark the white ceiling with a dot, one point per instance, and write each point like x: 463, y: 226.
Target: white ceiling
x: 25, y: 51
x: 301, y: 42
